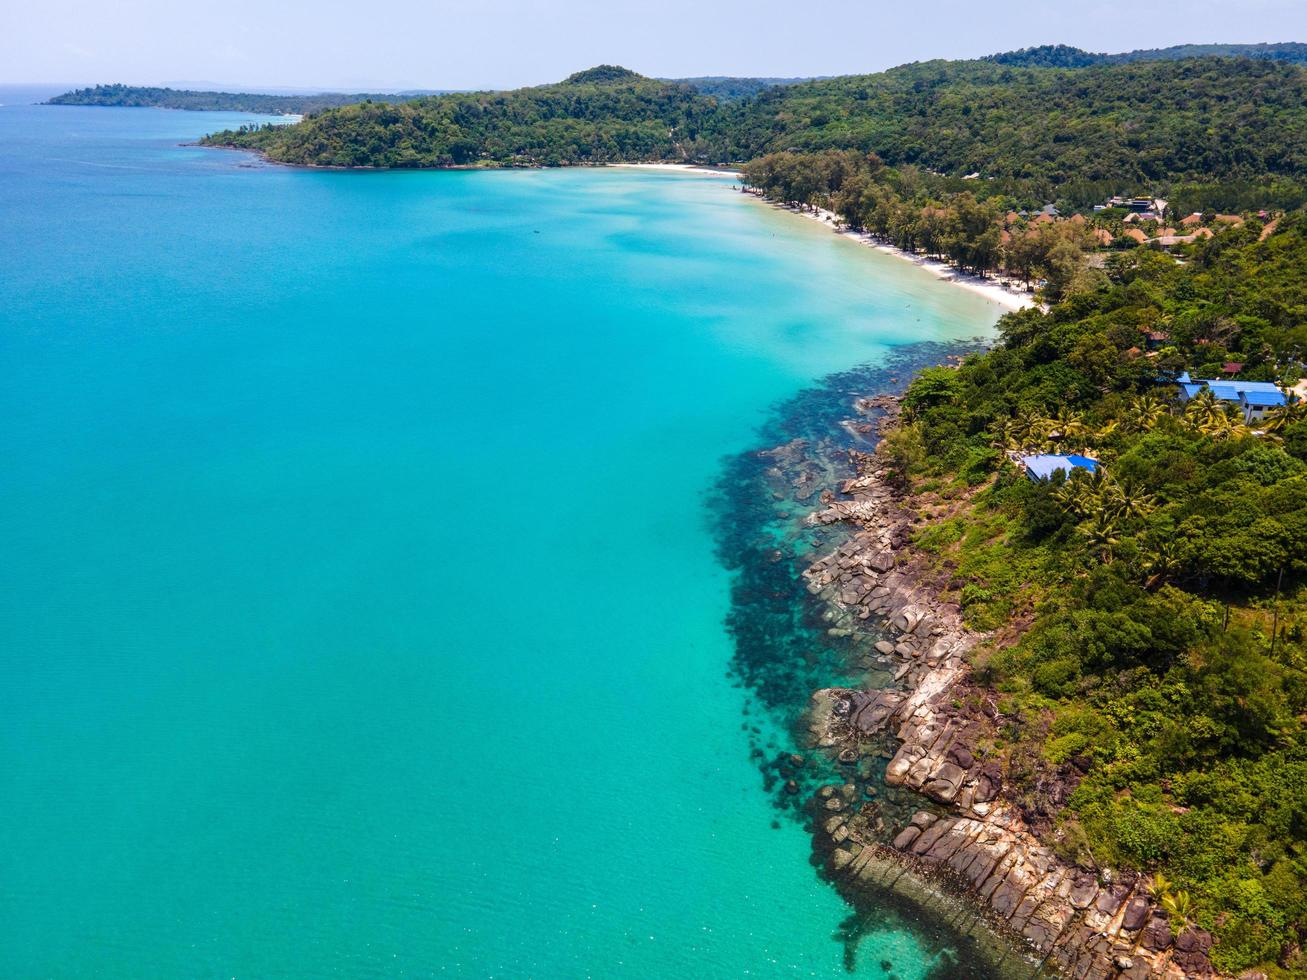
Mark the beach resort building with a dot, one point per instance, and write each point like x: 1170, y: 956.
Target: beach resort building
x: 1043, y: 467
x: 1254, y: 399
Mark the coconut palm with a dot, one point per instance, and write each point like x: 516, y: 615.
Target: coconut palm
x: 1131, y: 500
x: 1081, y: 493
x: 1161, y: 564
x: 1224, y: 426
x: 1005, y: 435
x: 1279, y: 418
x: 1209, y: 416
x: 1101, y: 534
x: 1204, y: 409
x: 1069, y: 495
x: 1179, y: 908
x: 1106, y: 432
x: 1031, y: 428
x: 1145, y: 412
x: 1068, y: 427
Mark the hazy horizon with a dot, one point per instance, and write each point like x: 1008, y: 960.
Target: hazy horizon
x: 462, y: 44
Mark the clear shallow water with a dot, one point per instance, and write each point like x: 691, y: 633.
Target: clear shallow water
x: 359, y: 613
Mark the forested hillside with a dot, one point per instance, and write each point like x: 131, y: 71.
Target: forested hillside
x: 602, y: 115
x: 1065, y: 56
x: 1149, y: 670
x: 1132, y: 125
x: 725, y: 88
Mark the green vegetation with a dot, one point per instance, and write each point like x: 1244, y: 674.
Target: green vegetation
x: 170, y: 98
x: 1037, y: 134
x: 726, y: 88
x: 1150, y: 624
x: 1128, y: 125
x: 1151, y: 644
x: 603, y: 115
x: 1065, y: 56
x: 918, y: 211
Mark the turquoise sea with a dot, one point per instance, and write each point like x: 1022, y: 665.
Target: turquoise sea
x: 359, y: 609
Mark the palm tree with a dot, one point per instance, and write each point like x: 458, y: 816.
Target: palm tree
x: 1161, y: 563
x: 1005, y: 435
x: 1101, y: 534
x: 1145, y: 412
x: 1209, y: 416
x: 1132, y: 501
x: 1283, y: 416
x: 1069, y: 427
x: 1031, y: 428
x: 1080, y: 493
x: 1203, y: 409
x: 1068, y: 495
x: 1223, y: 426
x: 1179, y: 908
x: 1106, y: 432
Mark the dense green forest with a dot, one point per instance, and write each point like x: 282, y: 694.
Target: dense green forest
x: 170, y: 98
x: 726, y: 88
x: 1115, y: 127
x: 1133, y: 124
x: 1152, y: 664
x: 918, y: 211
x: 722, y: 87
x: 1065, y: 56
x: 602, y: 115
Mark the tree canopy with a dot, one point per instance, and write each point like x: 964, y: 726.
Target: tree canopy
x: 1152, y: 708
x: 1121, y: 125
x: 603, y: 115
x: 171, y: 98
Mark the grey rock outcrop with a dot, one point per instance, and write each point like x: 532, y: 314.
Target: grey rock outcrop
x: 973, y: 842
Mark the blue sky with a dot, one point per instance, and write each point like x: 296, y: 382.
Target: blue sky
x: 500, y: 43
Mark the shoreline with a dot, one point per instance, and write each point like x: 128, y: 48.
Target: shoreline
x: 991, y: 289
x: 790, y: 643
x: 685, y: 168
x: 1010, y: 299
x: 941, y: 829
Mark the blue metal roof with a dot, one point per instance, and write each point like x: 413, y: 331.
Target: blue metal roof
x: 1263, y: 399
x: 1043, y: 467
x: 1257, y: 393
x: 1238, y: 384
x: 1227, y: 391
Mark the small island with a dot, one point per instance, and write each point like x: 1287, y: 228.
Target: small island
x: 138, y: 96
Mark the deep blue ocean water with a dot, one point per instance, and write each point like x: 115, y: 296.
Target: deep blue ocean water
x: 359, y: 613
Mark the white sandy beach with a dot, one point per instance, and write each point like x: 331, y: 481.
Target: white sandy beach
x: 991, y: 289
x: 687, y: 168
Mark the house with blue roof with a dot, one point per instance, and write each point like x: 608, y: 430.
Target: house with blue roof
x: 1256, y: 404
x: 1254, y: 399
x: 1042, y: 467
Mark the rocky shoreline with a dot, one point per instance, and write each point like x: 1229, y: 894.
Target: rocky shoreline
x: 951, y: 841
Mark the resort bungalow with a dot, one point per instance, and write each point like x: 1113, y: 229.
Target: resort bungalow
x: 1253, y: 398
x: 1040, y: 468
x: 1256, y: 404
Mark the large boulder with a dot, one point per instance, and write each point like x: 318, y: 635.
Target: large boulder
x: 945, y: 782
